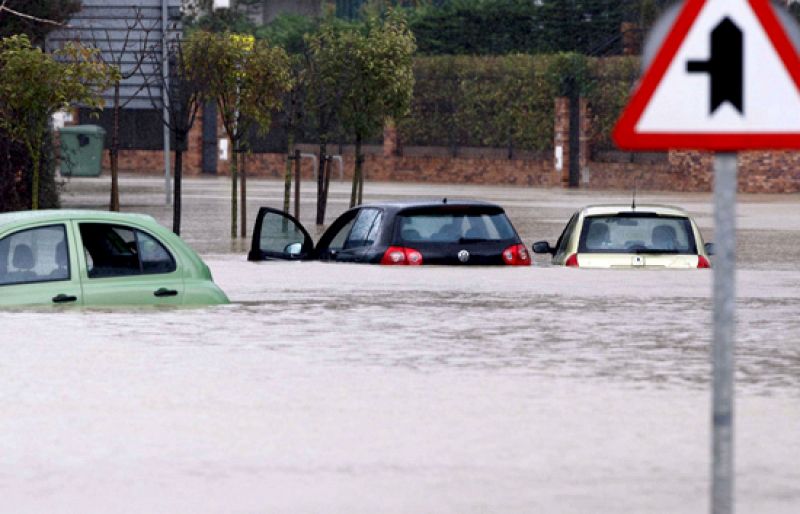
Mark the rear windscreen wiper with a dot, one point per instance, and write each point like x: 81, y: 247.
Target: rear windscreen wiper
x: 464, y: 240
x: 656, y: 251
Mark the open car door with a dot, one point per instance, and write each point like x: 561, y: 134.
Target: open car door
x: 279, y: 236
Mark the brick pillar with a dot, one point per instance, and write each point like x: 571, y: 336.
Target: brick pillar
x: 584, y: 137
x: 631, y: 38
x: 561, y: 140
x: 193, y: 156
x: 389, y: 139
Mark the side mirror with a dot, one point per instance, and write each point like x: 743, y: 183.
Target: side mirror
x: 710, y: 250
x: 293, y: 249
x: 543, y: 247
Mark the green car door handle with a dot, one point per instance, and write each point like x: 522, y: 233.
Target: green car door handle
x: 64, y: 298
x: 165, y: 292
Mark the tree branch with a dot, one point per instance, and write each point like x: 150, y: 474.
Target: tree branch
x: 28, y: 16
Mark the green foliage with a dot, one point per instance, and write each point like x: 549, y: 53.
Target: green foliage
x: 613, y: 79
x: 568, y: 74
x: 370, y: 73
x: 476, y: 27
x: 34, y: 85
x: 362, y: 77
x: 223, y: 20
x: 54, y: 10
x: 509, y: 100
x: 16, y: 179
x: 481, y: 101
x: 246, y: 77
x: 288, y: 31
x: 496, y: 27
x: 16, y: 167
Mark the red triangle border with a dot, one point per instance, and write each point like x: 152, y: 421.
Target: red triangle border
x: 625, y: 135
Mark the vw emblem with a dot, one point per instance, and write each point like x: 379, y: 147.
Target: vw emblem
x: 463, y: 256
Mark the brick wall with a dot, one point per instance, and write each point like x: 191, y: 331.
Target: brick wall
x: 759, y: 172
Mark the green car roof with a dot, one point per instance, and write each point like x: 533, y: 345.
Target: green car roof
x: 17, y: 217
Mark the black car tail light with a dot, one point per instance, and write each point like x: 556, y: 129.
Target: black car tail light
x: 401, y: 256
x: 517, y: 255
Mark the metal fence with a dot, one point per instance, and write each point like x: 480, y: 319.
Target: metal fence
x: 612, y: 80
x: 512, y: 112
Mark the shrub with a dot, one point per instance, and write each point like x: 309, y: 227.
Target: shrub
x: 508, y: 101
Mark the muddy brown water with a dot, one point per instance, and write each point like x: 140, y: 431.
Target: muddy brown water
x: 345, y: 388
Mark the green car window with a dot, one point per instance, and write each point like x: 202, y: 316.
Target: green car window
x: 34, y: 255
x: 114, y: 251
x: 154, y: 257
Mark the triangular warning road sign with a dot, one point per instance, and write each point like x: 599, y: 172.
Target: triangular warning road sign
x: 727, y: 77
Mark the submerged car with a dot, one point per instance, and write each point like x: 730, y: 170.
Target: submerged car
x: 624, y: 236
x: 397, y: 233
x: 99, y: 259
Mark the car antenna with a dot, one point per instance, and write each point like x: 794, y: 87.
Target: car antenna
x: 444, y: 200
x: 633, y: 202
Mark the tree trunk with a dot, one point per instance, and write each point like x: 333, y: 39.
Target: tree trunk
x: 360, y: 198
x: 354, y: 189
x: 176, y: 202
x: 357, y: 194
x: 114, y: 154
x: 327, y: 168
x: 243, y: 221
x: 287, y: 184
x: 297, y: 170
x: 34, y: 152
x: 234, y: 187
x: 323, y: 152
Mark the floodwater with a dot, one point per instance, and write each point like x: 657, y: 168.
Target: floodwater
x: 362, y: 389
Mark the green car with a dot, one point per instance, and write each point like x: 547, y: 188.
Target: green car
x: 98, y: 258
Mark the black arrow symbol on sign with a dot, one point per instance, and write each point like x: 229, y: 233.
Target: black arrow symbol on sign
x: 725, y: 66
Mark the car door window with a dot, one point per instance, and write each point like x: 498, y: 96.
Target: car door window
x: 338, y: 240
x: 154, y: 257
x: 563, y: 240
x: 365, y: 229
x: 279, y: 233
x: 34, y: 255
x: 115, y: 251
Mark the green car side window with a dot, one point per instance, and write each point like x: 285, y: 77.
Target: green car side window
x: 155, y: 258
x: 115, y: 251
x: 34, y: 255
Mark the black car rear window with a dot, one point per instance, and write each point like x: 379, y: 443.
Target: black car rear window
x: 454, y: 226
x: 632, y: 233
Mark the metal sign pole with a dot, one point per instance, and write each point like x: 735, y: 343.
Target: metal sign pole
x: 725, y: 186
x: 165, y: 96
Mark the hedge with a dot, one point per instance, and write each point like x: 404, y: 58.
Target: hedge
x: 508, y: 101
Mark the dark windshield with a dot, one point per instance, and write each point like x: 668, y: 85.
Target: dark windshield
x: 632, y: 233
x: 454, y: 227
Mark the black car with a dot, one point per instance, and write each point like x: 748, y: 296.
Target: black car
x: 397, y: 233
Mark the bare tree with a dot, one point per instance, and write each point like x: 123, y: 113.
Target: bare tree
x: 188, y: 87
x: 4, y: 8
x: 116, y: 52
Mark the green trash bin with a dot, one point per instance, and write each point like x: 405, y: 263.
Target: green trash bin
x: 81, y: 150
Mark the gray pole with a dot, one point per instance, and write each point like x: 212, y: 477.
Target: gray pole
x: 725, y: 185
x: 165, y: 95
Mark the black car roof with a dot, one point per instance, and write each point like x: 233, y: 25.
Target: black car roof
x: 401, y: 205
